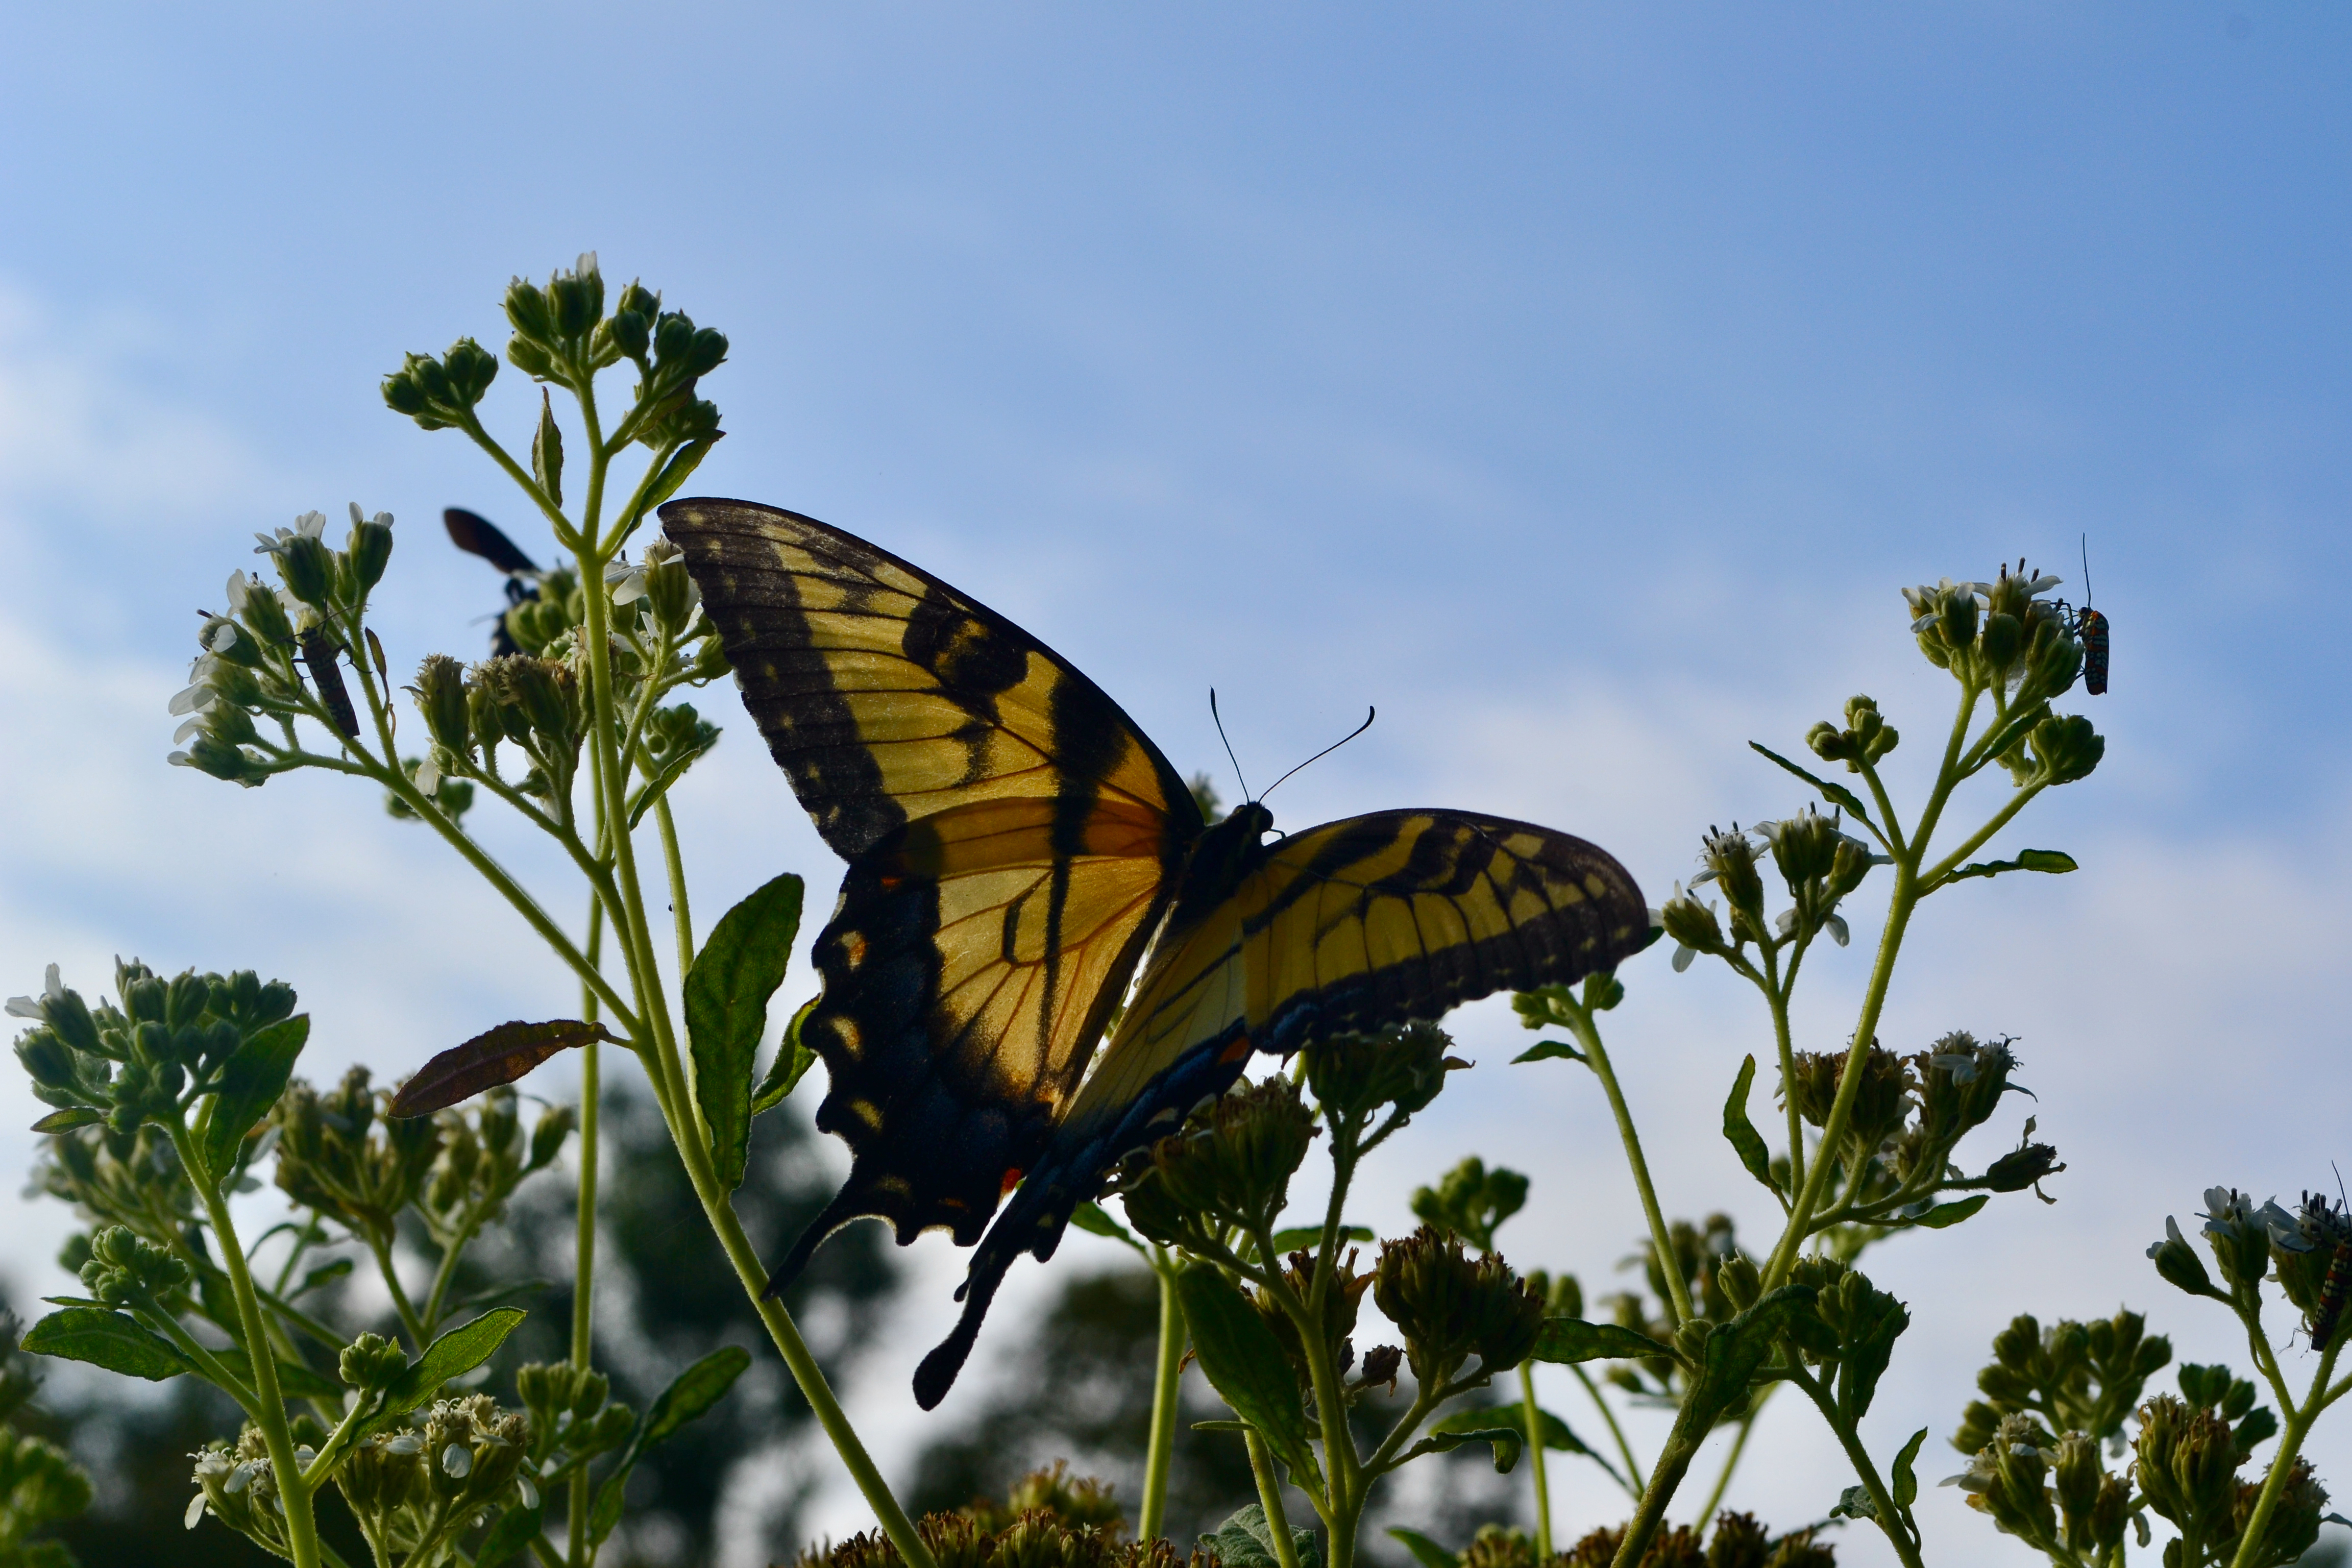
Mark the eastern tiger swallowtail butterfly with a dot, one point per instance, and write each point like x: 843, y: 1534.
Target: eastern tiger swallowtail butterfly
x: 1017, y: 847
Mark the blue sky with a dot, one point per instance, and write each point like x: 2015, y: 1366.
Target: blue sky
x: 1576, y: 385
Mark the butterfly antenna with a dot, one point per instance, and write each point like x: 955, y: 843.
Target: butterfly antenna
x: 2087, y: 571
x: 1229, y: 745
x: 1369, y: 714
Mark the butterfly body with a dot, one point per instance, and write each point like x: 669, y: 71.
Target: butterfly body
x: 1019, y: 850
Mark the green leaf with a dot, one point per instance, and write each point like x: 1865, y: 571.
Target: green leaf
x: 791, y: 1064
x: 323, y: 1274
x: 1855, y: 1503
x: 1906, y: 1485
x: 250, y: 1083
x: 1745, y: 1139
x: 68, y: 1119
x: 106, y: 1339
x: 727, y: 994
x: 490, y: 1058
x: 1244, y: 1360
x: 1574, y: 1340
x: 1736, y: 1350
x: 1836, y: 794
x: 452, y: 1355
x: 1095, y: 1220
x: 1874, y: 1321
x: 689, y: 458
x: 1556, y: 1433
x: 691, y: 1394
x: 1425, y: 1551
x: 511, y: 1537
x: 1246, y: 1541
x: 294, y: 1381
x: 2055, y: 862
x: 1951, y: 1214
x: 1286, y: 1242
x: 1545, y: 1050
x: 1478, y: 1426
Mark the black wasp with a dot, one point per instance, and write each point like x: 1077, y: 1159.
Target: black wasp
x: 476, y: 535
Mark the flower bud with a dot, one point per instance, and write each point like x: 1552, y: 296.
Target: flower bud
x: 309, y: 568
x: 1425, y: 1286
x: 441, y: 696
x: 1879, y: 1106
x: 1692, y: 926
x: 1740, y: 1282
x: 1998, y: 644
x: 1232, y: 1164
x: 124, y: 1269
x: 547, y: 1136
x: 1357, y: 1074
x: 2078, y: 1475
x: 668, y: 587
x: 2293, y: 1525
x: 2239, y: 1237
x: 371, y: 1362
x: 1731, y: 859
x: 369, y: 547
x: 2024, y: 1166
x: 547, y: 451
x: 383, y: 1474
x: 1833, y: 744
x: 2066, y: 747
x: 2177, y: 1261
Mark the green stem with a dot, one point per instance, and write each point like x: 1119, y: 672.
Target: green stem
x: 1536, y: 1458
x: 277, y: 1438
x: 409, y: 1319
x: 1596, y: 1057
x: 2295, y: 1428
x: 1269, y: 1497
x: 1891, y: 1519
x: 1783, y: 1039
x: 1167, y: 1391
x: 452, y: 1254
x: 1882, y: 974
x: 1609, y: 1418
x: 1730, y: 1463
x: 1934, y: 877
x: 584, y: 1274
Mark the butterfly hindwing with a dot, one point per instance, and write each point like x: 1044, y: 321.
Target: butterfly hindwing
x: 1356, y: 926
x: 1011, y: 838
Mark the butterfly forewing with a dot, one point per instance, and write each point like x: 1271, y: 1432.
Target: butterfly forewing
x: 1011, y: 836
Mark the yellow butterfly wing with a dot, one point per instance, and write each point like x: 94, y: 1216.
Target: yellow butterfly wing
x: 1358, y: 925
x: 1012, y: 839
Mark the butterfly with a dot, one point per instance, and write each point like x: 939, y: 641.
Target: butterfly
x: 1018, y: 849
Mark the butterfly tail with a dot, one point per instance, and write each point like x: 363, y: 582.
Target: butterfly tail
x: 847, y: 1204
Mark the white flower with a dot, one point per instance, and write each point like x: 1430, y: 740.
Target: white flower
x: 456, y: 1461
x: 180, y: 760
x: 383, y: 518
x: 194, y: 699
x: 429, y: 772
x: 306, y: 1455
x: 2172, y: 1237
x: 406, y: 1442
x: 239, y: 585
x: 587, y: 263
x: 242, y: 1476
x: 311, y: 524
x: 52, y: 990
x: 222, y: 638
x: 195, y: 1512
x: 529, y: 1492
x: 1835, y: 925
x: 627, y: 582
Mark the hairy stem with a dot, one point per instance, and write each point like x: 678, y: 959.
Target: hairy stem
x: 1534, y: 1414
x: 1269, y: 1497
x: 1596, y: 1056
x: 1166, y: 1391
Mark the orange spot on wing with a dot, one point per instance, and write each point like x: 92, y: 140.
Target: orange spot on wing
x: 1013, y: 1175
x: 1238, y: 1051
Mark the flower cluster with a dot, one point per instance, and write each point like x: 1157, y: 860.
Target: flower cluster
x: 247, y: 668
x: 1820, y: 864
x: 413, y: 1489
